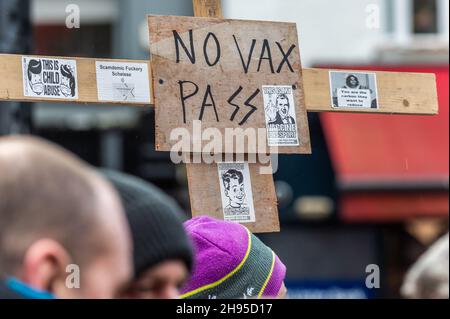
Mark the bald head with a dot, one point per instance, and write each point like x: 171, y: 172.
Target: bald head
x: 46, y: 193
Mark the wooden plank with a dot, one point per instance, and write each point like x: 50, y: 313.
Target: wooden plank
x: 220, y: 88
x: 204, y: 182
x: 12, y: 89
x: 399, y: 92
x: 207, y: 8
x: 204, y: 191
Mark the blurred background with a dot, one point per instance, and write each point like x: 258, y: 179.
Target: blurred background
x: 374, y: 191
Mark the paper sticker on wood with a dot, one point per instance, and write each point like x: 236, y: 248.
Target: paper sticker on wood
x: 354, y: 90
x: 279, y: 106
x: 49, y: 78
x: 236, y: 192
x: 122, y: 82
x: 212, y: 71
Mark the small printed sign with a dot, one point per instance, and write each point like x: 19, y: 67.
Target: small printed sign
x: 49, y: 78
x: 279, y: 107
x: 236, y: 192
x: 354, y: 90
x: 123, y: 82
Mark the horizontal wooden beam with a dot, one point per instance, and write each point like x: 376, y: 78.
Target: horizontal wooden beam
x: 11, y: 81
x: 398, y: 92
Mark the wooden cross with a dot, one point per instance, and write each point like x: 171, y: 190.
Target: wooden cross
x: 192, y: 76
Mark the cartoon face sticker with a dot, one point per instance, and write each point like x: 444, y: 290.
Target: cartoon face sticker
x: 34, y: 73
x: 233, y: 180
x: 67, y: 81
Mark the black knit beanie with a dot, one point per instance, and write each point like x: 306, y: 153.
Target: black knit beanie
x: 155, y: 222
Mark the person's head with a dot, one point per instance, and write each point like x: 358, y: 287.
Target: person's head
x: 231, y: 263
x: 34, y: 76
x: 282, y: 104
x: 428, y: 278
x: 162, y: 250
x: 352, y: 81
x: 233, y: 181
x: 62, y: 224
x: 67, y: 81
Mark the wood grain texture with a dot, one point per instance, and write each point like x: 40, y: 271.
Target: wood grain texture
x: 204, y: 191
x: 11, y: 81
x: 207, y: 8
x: 224, y: 78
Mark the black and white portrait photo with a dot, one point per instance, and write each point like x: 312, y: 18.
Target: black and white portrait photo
x: 279, y: 108
x: 353, y: 90
x: 280, y: 112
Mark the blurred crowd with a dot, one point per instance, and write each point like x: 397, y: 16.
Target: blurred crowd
x: 69, y: 230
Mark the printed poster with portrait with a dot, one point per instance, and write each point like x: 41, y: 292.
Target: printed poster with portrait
x: 353, y: 90
x: 236, y: 192
x: 279, y: 109
x: 50, y: 78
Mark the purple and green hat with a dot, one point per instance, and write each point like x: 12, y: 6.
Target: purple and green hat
x: 230, y: 262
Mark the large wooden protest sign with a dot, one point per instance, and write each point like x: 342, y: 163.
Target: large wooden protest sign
x: 221, y: 74
x: 229, y: 74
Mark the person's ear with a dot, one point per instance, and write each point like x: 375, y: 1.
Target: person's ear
x: 44, y: 266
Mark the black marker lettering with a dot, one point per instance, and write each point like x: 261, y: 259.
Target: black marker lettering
x: 230, y: 101
x: 178, y: 41
x: 253, y: 108
x: 266, y: 48
x: 205, y: 49
x: 205, y: 104
x: 245, y: 66
x: 185, y: 97
x: 285, y: 57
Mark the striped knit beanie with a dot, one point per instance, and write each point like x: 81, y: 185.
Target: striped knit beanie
x: 230, y: 262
